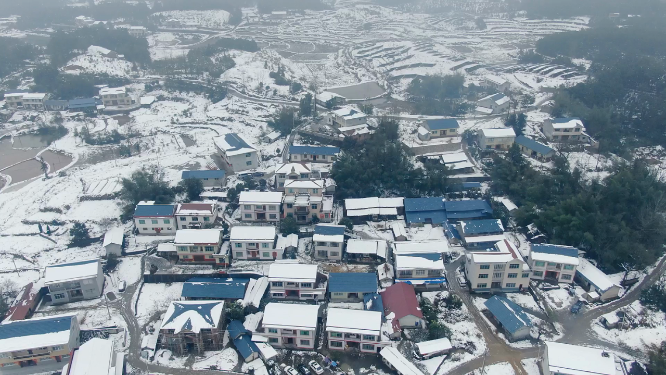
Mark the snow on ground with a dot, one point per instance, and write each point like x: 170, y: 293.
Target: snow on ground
x: 525, y: 300
x: 213, y: 19
x: 257, y: 365
x: 594, y: 166
x: 98, y: 64
x: 649, y: 328
x: 531, y: 366
x: 155, y: 299
x: 225, y: 360
x: 166, y: 358
x: 502, y: 368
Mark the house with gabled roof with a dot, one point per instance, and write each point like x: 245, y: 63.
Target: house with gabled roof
x: 468, y: 209
x: 496, y: 139
x: 151, y: 218
x: 74, y: 281
x: 208, y: 177
x: 291, y: 280
x: 480, y: 234
x: 292, y: 326
x: 242, y: 339
x: 199, y: 245
x: 534, y: 149
x: 195, y: 215
x: 596, y: 282
x: 192, y: 327
x: 293, y: 171
x: 555, y: 263
x: 236, y: 152
x: 254, y: 243
x: 439, y: 128
x: 565, y: 359
x: 318, y: 154
x: 498, y: 269
x: 351, y: 286
x: 401, y: 305
x: 510, y: 317
x: 260, y: 205
x: 565, y: 129
x: 355, y: 329
x: 495, y: 103
x: 419, y: 211
x: 215, y: 289
x: 329, y: 241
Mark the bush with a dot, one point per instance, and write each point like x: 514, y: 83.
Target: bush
x: 347, y: 222
x: 289, y: 226
x: 80, y: 235
x: 235, y: 311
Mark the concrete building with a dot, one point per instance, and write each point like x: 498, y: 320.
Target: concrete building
x: 304, y: 200
x: 137, y: 31
x: 236, y: 152
x: 480, y: 234
x: 291, y: 326
x: 351, y: 286
x: 492, y: 104
x: 400, y: 299
x: 210, y: 178
x: 565, y: 359
x: 534, y: 149
x: 75, y: 281
x: 293, y: 172
x: 355, y: 329
x: 151, y: 218
x: 115, y: 97
x: 345, y: 117
x: 260, y: 206
x: 195, y: 215
x: 198, y: 245
x: 329, y: 241
x: 38, y: 345
x: 254, y: 243
x: 498, y: 83
x: 597, y: 284
x: 192, y: 327
x: 366, y: 250
x: 113, y: 241
x: 438, y: 129
x: 315, y: 154
x: 500, y: 270
x: 496, y: 139
x: 291, y: 280
x: 553, y: 263
x: 14, y: 99
x: 96, y: 356
x: 26, y: 100
x: 509, y: 317
x: 565, y: 129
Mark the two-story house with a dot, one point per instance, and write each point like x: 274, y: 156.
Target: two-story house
x: 480, y: 234
x: 236, y: 152
x: 498, y: 83
x: 423, y: 270
x: 555, y: 263
x: 293, y: 171
x: 318, y: 154
x: 565, y: 129
x: 255, y: 243
x: 501, y: 270
x: 14, y: 99
x: 137, y: 31
x: 291, y: 326
x: 192, y: 327
x: 355, y: 329
x: 291, y: 280
x: 115, y: 97
x: 198, y: 245
x: 496, y: 103
x: 351, y: 286
x: 329, y: 241
x: 74, y: 281
x: 496, y: 139
x: 438, y: 129
x: 151, y: 218
x: 195, y: 215
x: 34, y: 101
x: 38, y: 345
x: 260, y: 205
x: 304, y: 200
x: 210, y: 178
x: 346, y: 116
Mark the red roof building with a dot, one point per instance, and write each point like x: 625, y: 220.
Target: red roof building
x: 25, y: 303
x: 401, y: 305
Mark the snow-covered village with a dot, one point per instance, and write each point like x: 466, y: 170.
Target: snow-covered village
x: 339, y: 187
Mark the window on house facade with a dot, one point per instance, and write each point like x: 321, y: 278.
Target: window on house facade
x: 484, y: 266
x: 526, y: 275
x: 167, y: 221
x: 498, y: 275
x: 239, y: 254
x: 434, y: 273
x: 182, y: 248
x: 266, y: 254
x: 368, y: 347
x: 278, y: 294
x: 514, y: 266
x: 419, y: 272
x: 538, y: 273
x: 305, y: 342
x: 551, y: 264
x: 273, y: 340
x: 510, y: 285
x: 305, y: 333
x: 142, y: 221
x: 206, y: 218
x: 154, y: 221
x: 238, y: 245
x: 272, y: 216
x: 321, y: 243
x: 289, y: 205
x: 483, y: 276
x: 334, y: 254
x: 336, y: 344
x: 568, y: 267
x: 272, y: 208
x: 335, y: 244
x: 277, y: 283
x: 539, y: 263
x: 306, y: 285
x: 194, y: 218
x: 264, y: 245
x: 369, y: 337
x: 566, y: 277
x: 209, y: 248
x: 481, y: 285
x: 513, y: 275
x: 248, y: 163
x: 336, y: 334
x: 498, y: 267
x: 247, y: 207
x: 314, y: 206
x: 248, y: 216
x: 272, y: 330
x: 183, y: 218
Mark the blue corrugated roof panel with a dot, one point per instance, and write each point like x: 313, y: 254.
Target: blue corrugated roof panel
x: 533, y: 145
x: 242, y: 339
x: 467, y: 205
x: 205, y: 173
x: 330, y: 230
x: 424, y: 204
x: 471, y: 185
x: 441, y: 124
x: 158, y: 210
x: 555, y: 250
x: 434, y: 217
x: 452, y: 232
x: 564, y: 120
x: 237, y: 329
x: 214, y: 288
x: 314, y: 150
x: 33, y: 327
x: 487, y: 226
x: 84, y: 103
x: 352, y: 282
x: 373, y: 302
x: 508, y: 313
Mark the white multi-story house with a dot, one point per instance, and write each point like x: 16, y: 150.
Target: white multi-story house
x: 137, y: 31
x: 293, y: 171
x: 255, y: 243
x: 151, y: 218
x: 345, y: 117
x: 198, y: 245
x: 501, y: 270
x: 260, y: 206
x: 236, y: 152
x: 565, y: 129
x: 196, y: 215
x: 74, y: 281
x: 296, y: 281
x: 496, y: 139
x: 292, y: 326
x: 26, y: 100
x: 115, y: 97
x: 554, y: 263
x: 329, y: 241
x: 319, y: 154
x: 498, y: 83
x: 14, y: 99
x: 355, y: 329
x: 496, y: 103
x: 304, y: 200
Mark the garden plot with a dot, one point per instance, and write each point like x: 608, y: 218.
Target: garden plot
x: 638, y: 327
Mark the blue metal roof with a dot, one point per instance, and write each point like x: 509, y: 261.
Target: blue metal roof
x: 352, y: 282
x: 555, y: 250
x: 84, y: 103
x: 441, y: 124
x: 203, y: 309
x: 510, y: 315
x: 373, y: 302
x: 533, y: 145
x: 330, y: 230
x: 424, y: 204
x: 148, y: 210
x: 486, y: 226
x: 468, y: 209
x: 471, y: 185
x: 200, y: 287
x: 205, y: 173
x: 32, y: 327
x: 452, y: 232
x: 314, y: 150
x: 435, y: 217
x: 564, y: 120
x: 56, y: 103
x: 429, y: 280
x: 242, y: 339
x: 235, y: 142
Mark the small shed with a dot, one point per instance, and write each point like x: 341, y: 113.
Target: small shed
x: 510, y: 317
x: 113, y: 241
x: 593, y: 280
x: 399, y: 231
x: 242, y: 339
x: 227, y: 289
x: 433, y: 348
x: 396, y: 361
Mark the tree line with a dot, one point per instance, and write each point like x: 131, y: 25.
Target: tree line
x: 14, y: 53
x: 48, y: 78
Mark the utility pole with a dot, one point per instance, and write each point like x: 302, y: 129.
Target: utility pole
x: 483, y: 368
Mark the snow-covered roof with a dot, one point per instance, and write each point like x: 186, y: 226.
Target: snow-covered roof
x: 499, y: 133
x: 195, y: 209
x: 166, y: 247
x: 373, y: 206
x: 554, y: 253
x: 327, y: 95
x: 290, y: 240
x: 36, y: 332
x: 251, y: 197
x: 94, y: 357
x: 233, y: 144
x: 421, y: 247
x: 491, y: 257
x: 483, y: 110
x: 508, y: 313
x: 354, y: 321
x: 34, y: 95
x: 567, y: 123
x: 256, y: 288
x: 568, y: 359
x: 147, y: 100
x: 376, y: 247
x: 508, y: 204
x: 402, y: 365
x: 93, y: 50
x: 267, y: 351
x: 112, y: 91
x: 114, y: 236
x: 594, y: 275
x: 418, y: 261
x: 454, y: 157
x: 198, y: 236
x: 304, y: 184
x: 291, y: 316
x: 398, y: 229
x: 422, y: 131
x: 329, y: 233
x: 193, y: 316
x: 478, y: 239
x: 295, y: 167
x: 72, y: 271
x: 434, y: 346
x: 294, y: 272
x: 496, y: 80
x: 460, y: 165
x: 252, y: 233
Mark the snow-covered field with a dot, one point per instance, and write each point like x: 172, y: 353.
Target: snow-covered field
x: 97, y: 64
x: 211, y: 19
x: 648, y: 328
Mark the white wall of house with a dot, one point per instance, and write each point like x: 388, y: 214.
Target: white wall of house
x: 564, y: 272
x: 156, y: 225
x: 188, y: 221
x: 563, y: 134
x: 342, y: 341
x: 306, y: 290
x: 264, y: 250
x: 495, y: 143
x: 411, y: 321
x: 277, y: 337
x: 199, y: 253
x: 312, y: 158
x: 242, y: 162
x: 482, y: 275
x: 328, y: 250
x: 257, y: 211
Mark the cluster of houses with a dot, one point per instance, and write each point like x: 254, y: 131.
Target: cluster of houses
x: 109, y: 98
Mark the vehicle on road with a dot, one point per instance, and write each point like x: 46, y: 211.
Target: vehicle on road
x: 303, y: 369
x: 290, y: 371
x: 575, y: 308
x: 462, y: 281
x: 316, y: 367
x: 122, y: 285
